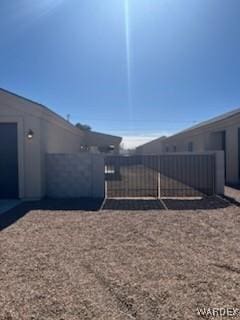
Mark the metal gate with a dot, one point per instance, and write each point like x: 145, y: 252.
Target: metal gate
x: 160, y: 176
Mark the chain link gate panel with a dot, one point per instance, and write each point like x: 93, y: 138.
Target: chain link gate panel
x: 160, y: 176
x: 128, y: 177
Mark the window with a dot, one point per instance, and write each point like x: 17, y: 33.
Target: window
x: 190, y: 146
x: 167, y: 149
x: 174, y: 149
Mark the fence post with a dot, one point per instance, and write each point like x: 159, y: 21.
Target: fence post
x: 159, y: 185
x: 98, y: 176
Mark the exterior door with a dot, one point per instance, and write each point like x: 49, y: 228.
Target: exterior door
x: 8, y: 161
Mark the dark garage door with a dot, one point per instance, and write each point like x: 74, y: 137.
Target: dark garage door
x: 8, y: 161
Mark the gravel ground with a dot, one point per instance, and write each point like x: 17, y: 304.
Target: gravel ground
x: 69, y: 264
x: 233, y: 193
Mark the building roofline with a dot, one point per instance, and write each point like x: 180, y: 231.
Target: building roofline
x: 47, y: 109
x: 151, y: 141
x: 105, y: 134
x: 202, y: 124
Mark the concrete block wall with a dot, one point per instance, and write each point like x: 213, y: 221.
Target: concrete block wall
x: 75, y: 175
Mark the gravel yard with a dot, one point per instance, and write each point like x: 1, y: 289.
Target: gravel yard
x: 152, y: 264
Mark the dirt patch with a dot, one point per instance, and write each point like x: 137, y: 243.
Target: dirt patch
x: 69, y: 264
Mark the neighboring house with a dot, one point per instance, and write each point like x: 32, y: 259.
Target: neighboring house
x: 28, y: 131
x: 220, y: 133
x: 153, y: 147
x: 101, y: 142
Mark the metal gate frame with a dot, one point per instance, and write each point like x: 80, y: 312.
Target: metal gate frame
x: 178, y: 175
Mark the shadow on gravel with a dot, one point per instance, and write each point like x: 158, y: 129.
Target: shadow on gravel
x: 232, y: 200
x: 83, y: 204
x: 76, y: 204
x: 207, y: 203
x: 11, y: 216
x: 90, y: 204
x: 132, y: 204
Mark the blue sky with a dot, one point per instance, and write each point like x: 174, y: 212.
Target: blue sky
x: 136, y: 68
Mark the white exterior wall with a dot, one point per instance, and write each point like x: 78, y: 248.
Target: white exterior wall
x: 51, y: 134
x: 202, y: 139
x: 57, y: 137
x: 29, y: 156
